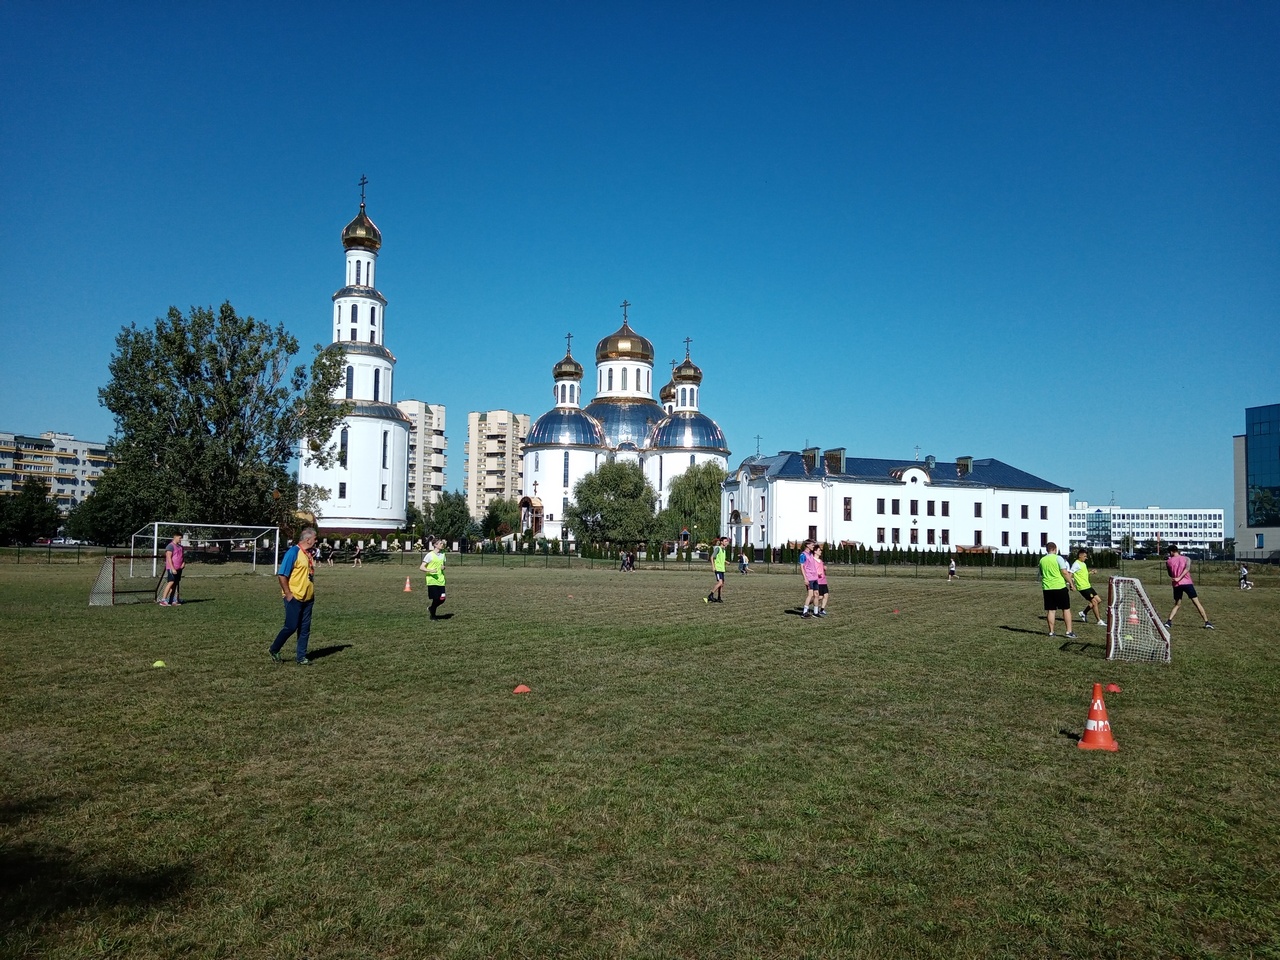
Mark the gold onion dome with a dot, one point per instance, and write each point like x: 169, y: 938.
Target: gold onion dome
x: 667, y: 394
x: 625, y: 344
x: 567, y: 368
x: 361, y: 232
x: 687, y: 372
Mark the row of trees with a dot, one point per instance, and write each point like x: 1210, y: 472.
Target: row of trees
x: 29, y: 515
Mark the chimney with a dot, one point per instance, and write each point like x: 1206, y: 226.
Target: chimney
x: 810, y: 455
x: 930, y: 462
x: 964, y: 466
x: 835, y: 460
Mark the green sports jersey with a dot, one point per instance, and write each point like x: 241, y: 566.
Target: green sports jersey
x: 1080, y: 573
x: 435, y: 569
x: 1051, y: 577
x: 717, y: 559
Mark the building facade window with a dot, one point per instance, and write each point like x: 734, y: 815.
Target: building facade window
x: 1004, y: 511
x: 896, y: 507
x: 930, y: 537
x: 929, y: 508
x: 355, y: 313
x: 373, y: 316
x: 624, y: 378
x: 1024, y: 512
x: 915, y: 535
x: 946, y: 509
x: 813, y: 533
x: 915, y: 508
x: 879, y: 534
x: 357, y: 273
x: 385, y: 438
x: 565, y: 481
x: 977, y: 509
x: 880, y: 505
x: 351, y: 382
x: 342, y: 448
x: 977, y: 538
x: 377, y: 385
x: 1004, y: 538
x: 384, y: 493
x: 610, y: 379
x: 946, y: 537
x: 813, y: 504
x: 342, y: 491
x: 848, y: 508
x: 1044, y: 540
x: 1025, y: 543
x: 897, y: 535
x: 1044, y: 513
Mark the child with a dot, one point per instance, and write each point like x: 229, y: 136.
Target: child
x: 809, y: 573
x: 433, y: 566
x: 821, y: 610
x: 1080, y: 573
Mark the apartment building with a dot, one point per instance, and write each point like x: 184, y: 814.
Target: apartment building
x: 427, y: 446
x: 69, y: 466
x: 494, y: 458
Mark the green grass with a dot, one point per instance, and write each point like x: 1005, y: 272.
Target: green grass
x: 684, y: 780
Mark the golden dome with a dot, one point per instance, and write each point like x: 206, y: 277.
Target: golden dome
x: 625, y: 344
x: 667, y: 394
x: 687, y: 372
x: 361, y: 232
x: 567, y: 368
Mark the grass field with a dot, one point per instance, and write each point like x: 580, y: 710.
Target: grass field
x: 684, y: 780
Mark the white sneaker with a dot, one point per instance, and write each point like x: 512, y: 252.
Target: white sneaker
x: 1084, y: 616
x: 1102, y: 623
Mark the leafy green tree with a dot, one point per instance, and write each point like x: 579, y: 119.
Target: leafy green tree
x: 615, y: 504
x: 210, y: 415
x: 694, y: 503
x: 29, y: 515
x: 501, y: 517
x: 417, y: 522
x: 450, y: 518
x: 121, y: 503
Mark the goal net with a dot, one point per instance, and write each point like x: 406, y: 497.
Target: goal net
x: 1134, y: 629
x: 125, y: 580
x: 209, y: 548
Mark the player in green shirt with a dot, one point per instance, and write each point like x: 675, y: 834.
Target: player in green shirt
x: 1055, y: 580
x: 1080, y: 573
x: 718, y: 553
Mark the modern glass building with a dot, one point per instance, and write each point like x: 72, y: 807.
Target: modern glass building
x: 1257, y: 484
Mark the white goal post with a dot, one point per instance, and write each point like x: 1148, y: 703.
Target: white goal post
x: 216, y: 542
x: 1134, y: 629
x: 120, y: 581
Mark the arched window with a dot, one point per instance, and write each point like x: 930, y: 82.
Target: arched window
x: 373, y: 316
x: 693, y: 396
x: 342, y: 447
x: 599, y: 380
x: 624, y: 378
x: 637, y: 378
x: 355, y: 313
x: 373, y: 336
x: 610, y: 378
x: 683, y: 396
x: 563, y: 393
x: 385, y: 435
x: 357, y: 273
x: 351, y: 382
x: 572, y: 391
x: 566, y: 468
x: 377, y: 385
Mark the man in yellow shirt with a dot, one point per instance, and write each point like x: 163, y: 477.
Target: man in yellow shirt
x: 297, y: 586
x: 1080, y: 573
x: 1055, y: 580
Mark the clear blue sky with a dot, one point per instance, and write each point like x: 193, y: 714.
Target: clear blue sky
x: 1044, y: 232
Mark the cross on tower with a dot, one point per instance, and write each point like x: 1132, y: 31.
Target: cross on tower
x: 687, y: 341
x: 917, y: 451
x: 758, y: 438
x: 363, y: 180
x: 625, y: 304
x: 568, y: 344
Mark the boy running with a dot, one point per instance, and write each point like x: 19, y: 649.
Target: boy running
x: 433, y: 566
x: 1179, y: 568
x: 717, y: 564
x: 1080, y: 573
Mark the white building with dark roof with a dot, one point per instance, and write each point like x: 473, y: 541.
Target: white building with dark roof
x: 927, y: 505
x: 622, y: 422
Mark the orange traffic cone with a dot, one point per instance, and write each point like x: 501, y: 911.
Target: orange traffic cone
x: 407, y: 588
x: 1097, y: 729
x: 522, y: 689
x: 1133, y: 613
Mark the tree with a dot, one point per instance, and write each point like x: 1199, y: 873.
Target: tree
x: 615, y: 503
x: 417, y: 522
x: 450, y: 518
x: 121, y: 503
x: 209, y: 417
x: 29, y: 515
x: 694, y: 503
x: 501, y: 517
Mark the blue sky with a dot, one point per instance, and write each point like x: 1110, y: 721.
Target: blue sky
x: 1042, y: 232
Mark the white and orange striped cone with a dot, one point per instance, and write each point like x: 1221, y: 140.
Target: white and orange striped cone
x: 1133, y: 613
x: 1097, y: 729
x: 407, y: 588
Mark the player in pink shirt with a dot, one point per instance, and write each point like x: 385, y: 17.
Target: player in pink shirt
x: 823, y: 593
x: 809, y: 573
x: 1179, y: 568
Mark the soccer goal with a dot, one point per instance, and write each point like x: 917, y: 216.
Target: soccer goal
x: 1134, y: 629
x: 122, y: 580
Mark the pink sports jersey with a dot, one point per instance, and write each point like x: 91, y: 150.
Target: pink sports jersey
x: 809, y: 564
x: 822, y: 571
x: 1179, y: 569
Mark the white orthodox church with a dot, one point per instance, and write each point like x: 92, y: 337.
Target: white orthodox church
x: 368, y: 482
x: 623, y: 422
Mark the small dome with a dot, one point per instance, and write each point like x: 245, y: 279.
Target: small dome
x: 565, y: 428
x: 687, y: 372
x: 688, y: 431
x: 625, y: 344
x: 361, y: 232
x: 667, y: 394
x: 568, y: 368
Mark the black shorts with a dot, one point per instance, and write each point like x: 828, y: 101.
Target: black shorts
x: 822, y: 590
x: 1087, y: 594
x: 719, y: 576
x: 173, y: 576
x: 1187, y: 590
x: 1059, y: 599
x: 813, y: 584
x: 435, y: 592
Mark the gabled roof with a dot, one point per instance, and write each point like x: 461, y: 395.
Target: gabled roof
x: 984, y: 473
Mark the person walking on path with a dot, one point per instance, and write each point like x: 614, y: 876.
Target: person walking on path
x: 821, y: 609
x: 808, y: 573
x: 1179, y: 568
x: 174, y: 561
x: 297, y: 576
x: 718, y: 553
x: 1055, y: 581
x: 743, y: 562
x: 1080, y: 573
x: 433, y: 566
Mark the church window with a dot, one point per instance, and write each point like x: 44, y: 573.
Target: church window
x: 355, y: 314
x: 357, y: 273
x: 536, y: 458
x: 683, y: 396
x: 342, y: 447
x: 373, y: 316
x: 599, y: 379
x: 377, y: 384
x: 385, y: 437
x: 351, y: 381
x: 384, y: 493
x: 659, y: 471
x: 372, y: 335
x: 353, y: 334
x: 342, y: 491
x: 566, y: 468
x: 637, y: 378
x: 691, y: 460
x: 611, y: 379
x: 693, y: 396
x: 624, y: 378
x: 572, y: 391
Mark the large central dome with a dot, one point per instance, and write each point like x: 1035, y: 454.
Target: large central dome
x: 625, y: 344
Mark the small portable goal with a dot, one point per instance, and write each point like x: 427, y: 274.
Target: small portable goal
x: 1134, y: 629
x: 126, y: 580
